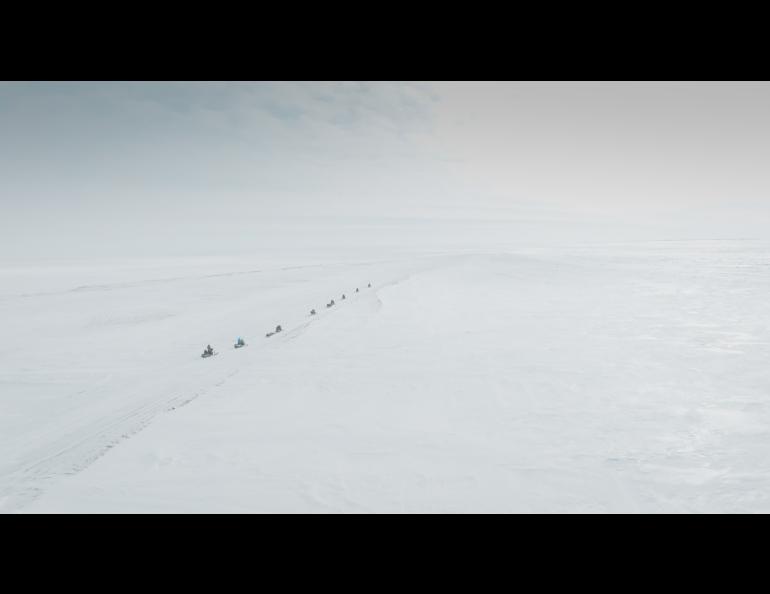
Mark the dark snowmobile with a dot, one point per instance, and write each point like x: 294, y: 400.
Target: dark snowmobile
x: 343, y: 295
x: 209, y: 352
x: 356, y: 289
x: 312, y: 312
x: 370, y: 285
x: 278, y: 328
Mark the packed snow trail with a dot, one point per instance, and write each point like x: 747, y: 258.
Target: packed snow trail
x: 129, y: 396
x: 607, y: 381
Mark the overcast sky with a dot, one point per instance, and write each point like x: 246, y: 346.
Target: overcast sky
x: 86, y: 166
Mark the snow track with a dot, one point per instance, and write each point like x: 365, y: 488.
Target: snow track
x: 69, y: 445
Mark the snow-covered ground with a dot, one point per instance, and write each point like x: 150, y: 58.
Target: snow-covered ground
x: 604, y: 378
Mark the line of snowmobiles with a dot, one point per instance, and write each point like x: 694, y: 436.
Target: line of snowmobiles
x: 240, y: 343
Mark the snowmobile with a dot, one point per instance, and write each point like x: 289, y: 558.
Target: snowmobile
x: 239, y: 344
x: 278, y: 328
x: 343, y: 295
x: 330, y: 303
x: 312, y: 312
x: 209, y: 352
x: 370, y: 285
x: 356, y: 289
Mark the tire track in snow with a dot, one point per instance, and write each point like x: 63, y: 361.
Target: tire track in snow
x: 69, y: 454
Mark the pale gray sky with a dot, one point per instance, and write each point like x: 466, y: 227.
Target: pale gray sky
x: 90, y: 167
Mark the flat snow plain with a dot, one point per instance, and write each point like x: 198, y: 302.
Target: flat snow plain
x: 615, y: 378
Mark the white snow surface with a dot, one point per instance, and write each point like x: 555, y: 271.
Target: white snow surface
x: 592, y: 378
